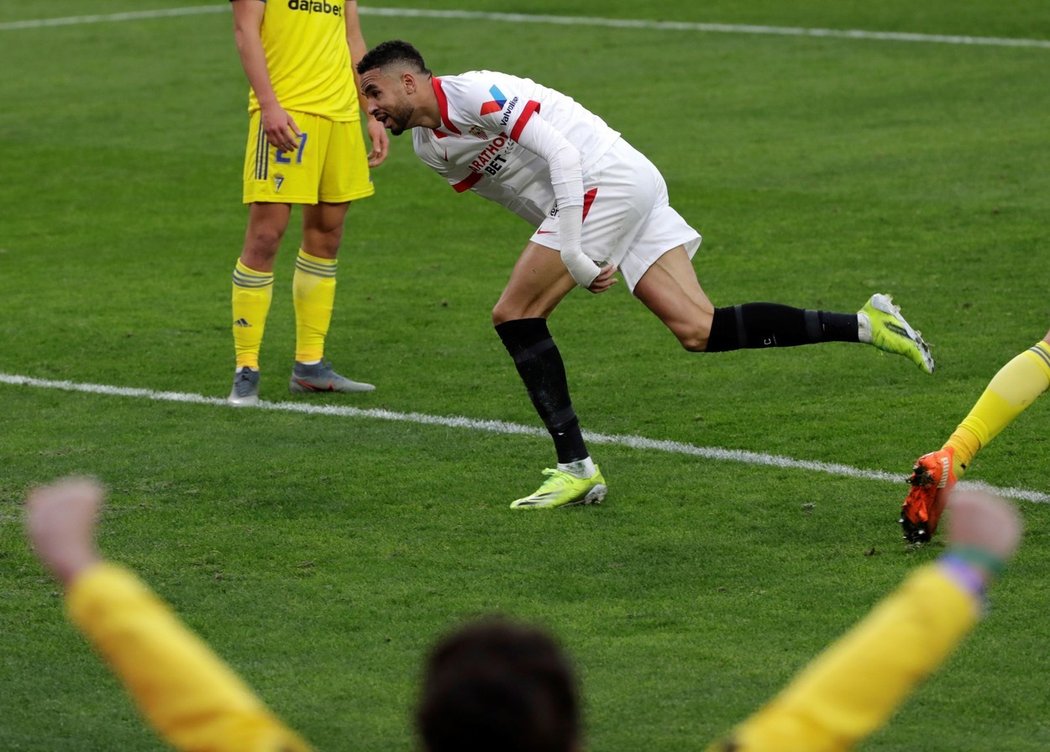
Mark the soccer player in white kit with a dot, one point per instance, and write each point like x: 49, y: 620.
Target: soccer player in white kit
x: 598, y: 206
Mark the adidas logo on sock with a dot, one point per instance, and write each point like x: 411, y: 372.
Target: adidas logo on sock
x: 242, y: 323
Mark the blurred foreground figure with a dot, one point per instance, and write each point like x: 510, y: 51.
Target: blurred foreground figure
x: 495, y: 685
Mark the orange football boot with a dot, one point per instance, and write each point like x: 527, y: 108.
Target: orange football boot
x: 931, y: 481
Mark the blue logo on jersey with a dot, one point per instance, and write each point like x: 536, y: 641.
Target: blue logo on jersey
x: 496, y: 104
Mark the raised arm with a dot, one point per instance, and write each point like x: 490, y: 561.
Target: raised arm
x: 851, y: 689
x: 193, y: 699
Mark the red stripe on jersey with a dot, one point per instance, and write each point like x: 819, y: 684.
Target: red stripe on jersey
x: 588, y: 199
x: 467, y: 183
x: 531, y: 107
x: 443, y: 106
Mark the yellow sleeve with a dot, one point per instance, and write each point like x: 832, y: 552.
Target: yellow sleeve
x: 193, y: 699
x: 852, y: 687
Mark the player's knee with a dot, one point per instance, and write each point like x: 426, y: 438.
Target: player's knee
x: 505, y: 311
x: 324, y: 243
x: 693, y: 343
x: 501, y: 315
x: 262, y: 241
x: 693, y: 338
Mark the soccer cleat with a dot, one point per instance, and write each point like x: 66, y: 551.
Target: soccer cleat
x: 891, y: 333
x: 320, y: 377
x: 931, y: 482
x: 245, y: 389
x: 562, y: 489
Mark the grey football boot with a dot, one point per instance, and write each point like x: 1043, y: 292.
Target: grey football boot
x: 245, y: 389
x: 320, y: 377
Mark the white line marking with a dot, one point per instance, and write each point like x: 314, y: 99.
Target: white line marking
x: 632, y: 23
x: 502, y: 427
x: 612, y: 23
x: 137, y: 15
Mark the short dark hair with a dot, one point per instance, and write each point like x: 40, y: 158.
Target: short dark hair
x: 496, y: 685
x: 394, y: 51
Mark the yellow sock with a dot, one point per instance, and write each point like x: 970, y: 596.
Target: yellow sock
x: 252, y: 293
x: 313, y: 293
x: 1009, y: 393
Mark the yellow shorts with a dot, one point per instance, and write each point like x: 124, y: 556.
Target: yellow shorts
x: 330, y: 165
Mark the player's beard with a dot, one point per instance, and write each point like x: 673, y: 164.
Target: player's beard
x: 400, y: 119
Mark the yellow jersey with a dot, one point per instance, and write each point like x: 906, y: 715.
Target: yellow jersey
x: 188, y: 693
x: 854, y: 686
x: 308, y: 58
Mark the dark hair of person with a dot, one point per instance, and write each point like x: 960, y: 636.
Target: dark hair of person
x: 496, y: 686
x: 394, y: 51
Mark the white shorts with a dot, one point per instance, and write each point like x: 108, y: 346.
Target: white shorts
x: 627, y: 220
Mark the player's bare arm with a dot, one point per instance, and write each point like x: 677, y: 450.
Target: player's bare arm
x: 355, y: 40
x: 281, y: 130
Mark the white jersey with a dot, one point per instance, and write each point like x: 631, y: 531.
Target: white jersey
x: 475, y: 148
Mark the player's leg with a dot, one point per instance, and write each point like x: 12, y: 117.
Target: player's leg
x: 670, y: 289
x: 252, y: 292
x: 272, y: 183
x: 313, y: 295
x: 314, y: 282
x: 538, y: 283
x: 336, y: 152
x: 664, y: 280
x: 1016, y: 386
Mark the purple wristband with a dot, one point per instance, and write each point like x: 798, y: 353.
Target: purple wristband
x: 964, y: 573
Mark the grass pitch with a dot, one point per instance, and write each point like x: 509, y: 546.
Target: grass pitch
x: 320, y: 555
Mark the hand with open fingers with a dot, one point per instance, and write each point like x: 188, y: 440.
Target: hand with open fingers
x: 60, y: 521
x: 979, y: 521
x: 606, y: 278
x: 280, y: 128
x: 380, y: 142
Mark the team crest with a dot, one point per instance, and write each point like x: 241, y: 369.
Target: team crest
x: 477, y: 132
x: 278, y: 181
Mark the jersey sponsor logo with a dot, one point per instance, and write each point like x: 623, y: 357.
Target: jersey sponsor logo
x: 312, y: 6
x: 490, y: 159
x: 496, y: 103
x: 510, y: 109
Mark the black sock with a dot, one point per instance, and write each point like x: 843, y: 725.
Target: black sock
x: 540, y: 366
x: 754, y: 325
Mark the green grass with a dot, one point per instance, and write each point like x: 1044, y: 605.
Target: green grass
x: 321, y: 555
